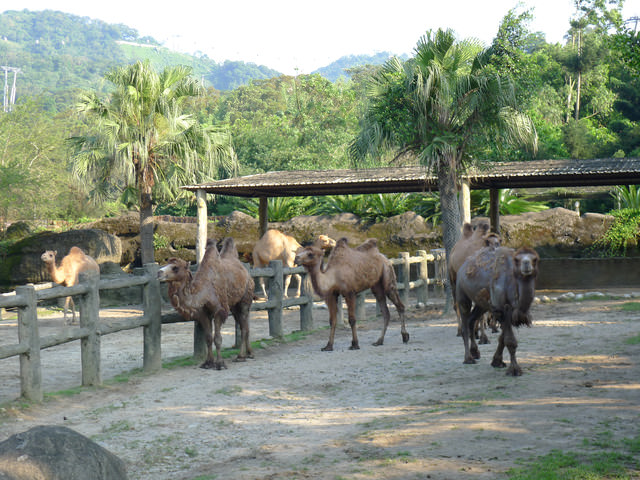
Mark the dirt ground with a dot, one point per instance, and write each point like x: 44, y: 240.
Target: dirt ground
x: 398, y: 411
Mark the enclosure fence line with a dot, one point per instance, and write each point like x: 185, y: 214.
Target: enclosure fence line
x: 90, y: 329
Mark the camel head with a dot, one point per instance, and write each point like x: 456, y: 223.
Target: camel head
x: 492, y: 240
x: 482, y: 227
x: 49, y: 256
x: 526, y: 262
x: 325, y: 242
x: 309, y: 256
x: 175, y: 270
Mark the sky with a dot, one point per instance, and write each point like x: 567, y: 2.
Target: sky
x: 298, y: 36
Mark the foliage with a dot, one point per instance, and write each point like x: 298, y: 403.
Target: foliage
x: 624, y: 231
x: 510, y: 203
x: 279, y: 209
x: 627, y: 196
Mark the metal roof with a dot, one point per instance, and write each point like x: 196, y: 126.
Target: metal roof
x: 530, y: 174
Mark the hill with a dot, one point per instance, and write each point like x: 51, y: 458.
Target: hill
x: 339, y: 68
x: 58, y: 53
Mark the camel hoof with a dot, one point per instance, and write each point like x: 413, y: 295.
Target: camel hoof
x: 354, y: 347
x: 484, y: 340
x: 498, y: 364
x: 475, y: 354
x: 208, y: 365
x: 513, y: 371
x: 378, y: 342
x: 405, y: 338
x: 328, y: 348
x: 468, y: 361
x: 240, y: 359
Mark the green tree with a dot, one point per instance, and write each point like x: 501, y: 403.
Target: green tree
x: 142, y: 137
x: 432, y: 105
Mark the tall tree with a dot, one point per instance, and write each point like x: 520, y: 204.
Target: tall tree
x: 432, y: 106
x: 142, y: 138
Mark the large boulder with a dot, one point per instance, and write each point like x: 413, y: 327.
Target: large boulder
x: 556, y: 232
x: 57, y: 453
x: 24, y: 265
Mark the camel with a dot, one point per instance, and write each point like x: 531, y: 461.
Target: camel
x: 348, y: 272
x: 221, y: 285
x: 500, y: 280
x: 275, y: 245
x: 473, y: 239
x: 74, y: 263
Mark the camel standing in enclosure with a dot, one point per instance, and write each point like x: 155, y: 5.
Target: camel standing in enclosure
x: 348, y: 272
x: 275, y: 245
x: 473, y: 239
x: 220, y: 286
x: 74, y: 263
x: 500, y: 280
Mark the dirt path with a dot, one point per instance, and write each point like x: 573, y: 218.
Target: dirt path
x: 397, y: 411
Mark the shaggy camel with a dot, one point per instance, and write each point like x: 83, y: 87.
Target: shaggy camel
x: 275, y: 245
x: 502, y: 281
x: 220, y: 285
x: 348, y: 272
x: 74, y: 263
x: 473, y: 239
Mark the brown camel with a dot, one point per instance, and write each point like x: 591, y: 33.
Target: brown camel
x: 500, y: 280
x: 348, y: 272
x: 275, y: 245
x: 220, y: 286
x: 74, y: 263
x: 474, y: 237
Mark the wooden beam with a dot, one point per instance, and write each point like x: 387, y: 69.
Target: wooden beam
x: 201, y: 238
x: 263, y: 215
x: 494, y: 209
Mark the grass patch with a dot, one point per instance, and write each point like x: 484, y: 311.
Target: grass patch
x: 630, y: 307
x: 612, y: 460
x: 632, y: 340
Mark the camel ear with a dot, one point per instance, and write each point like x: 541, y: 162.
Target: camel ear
x: 55, y: 252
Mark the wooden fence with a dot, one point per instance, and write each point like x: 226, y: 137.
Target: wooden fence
x: 90, y: 330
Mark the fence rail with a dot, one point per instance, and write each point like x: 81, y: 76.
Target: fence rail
x: 30, y: 343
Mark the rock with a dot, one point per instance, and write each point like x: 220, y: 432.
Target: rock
x: 57, y: 453
x: 17, y: 230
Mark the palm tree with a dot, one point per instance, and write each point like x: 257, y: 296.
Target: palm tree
x: 433, y: 108
x: 141, y: 139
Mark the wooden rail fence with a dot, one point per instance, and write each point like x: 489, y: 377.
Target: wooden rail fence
x: 90, y: 330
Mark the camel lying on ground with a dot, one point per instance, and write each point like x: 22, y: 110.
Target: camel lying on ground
x: 473, y: 239
x: 220, y: 286
x: 502, y: 281
x: 349, y: 271
x: 275, y: 245
x: 71, y: 266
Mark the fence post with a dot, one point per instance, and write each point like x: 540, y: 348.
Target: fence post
x: 360, y: 307
x: 422, y: 292
x: 152, y: 331
x: 405, y: 277
x: 89, y: 319
x: 306, y: 309
x: 440, y: 264
x: 275, y: 294
x: 30, y: 373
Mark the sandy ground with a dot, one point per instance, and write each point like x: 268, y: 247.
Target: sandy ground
x: 398, y: 411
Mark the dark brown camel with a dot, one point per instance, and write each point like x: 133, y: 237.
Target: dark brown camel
x: 220, y: 286
x: 473, y: 238
x: 349, y: 271
x: 502, y: 281
x: 71, y: 266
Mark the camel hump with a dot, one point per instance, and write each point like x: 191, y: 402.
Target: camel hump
x: 368, y: 244
x: 342, y: 242
x: 229, y: 249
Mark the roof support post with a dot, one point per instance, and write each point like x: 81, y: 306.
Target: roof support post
x: 494, y: 210
x: 201, y: 238
x: 465, y: 202
x: 263, y: 215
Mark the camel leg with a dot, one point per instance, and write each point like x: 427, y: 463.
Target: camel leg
x: 264, y: 290
x: 350, y: 300
x: 205, y: 323
x: 299, y: 279
x: 469, y: 317
x: 482, y: 322
x: 287, y: 281
x: 381, y: 300
x: 332, y: 305
x: 512, y: 344
x: 497, y: 361
x: 68, y: 302
x: 218, y: 364
x: 241, y: 314
x: 395, y: 299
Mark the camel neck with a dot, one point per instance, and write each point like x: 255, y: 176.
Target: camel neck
x: 526, y: 293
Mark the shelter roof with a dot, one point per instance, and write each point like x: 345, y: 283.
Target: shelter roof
x: 529, y: 174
